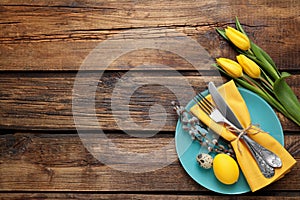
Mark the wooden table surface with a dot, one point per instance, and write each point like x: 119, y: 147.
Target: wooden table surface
x: 43, y: 44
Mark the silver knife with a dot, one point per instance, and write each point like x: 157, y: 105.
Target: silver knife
x: 271, y: 158
x: 222, y: 106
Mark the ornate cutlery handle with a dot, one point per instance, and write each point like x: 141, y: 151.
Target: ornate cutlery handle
x: 265, y: 169
x: 268, y: 156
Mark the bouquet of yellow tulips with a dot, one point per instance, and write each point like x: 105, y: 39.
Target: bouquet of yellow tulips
x: 256, y: 71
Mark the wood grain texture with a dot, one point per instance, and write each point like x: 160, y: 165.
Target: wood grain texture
x: 44, y: 101
x: 83, y: 196
x: 44, y: 43
x: 55, y: 162
x: 58, y: 35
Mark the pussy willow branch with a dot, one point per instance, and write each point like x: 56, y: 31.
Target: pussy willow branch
x: 191, y: 125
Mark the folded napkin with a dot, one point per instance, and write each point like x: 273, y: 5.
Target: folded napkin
x: 250, y: 169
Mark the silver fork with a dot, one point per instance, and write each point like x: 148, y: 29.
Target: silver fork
x: 218, y: 117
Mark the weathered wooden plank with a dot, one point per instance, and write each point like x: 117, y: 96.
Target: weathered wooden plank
x: 44, y: 101
x: 64, y: 55
x: 70, y: 55
x: 59, y: 35
x: 56, y: 16
x: 57, y: 162
x: 105, y: 196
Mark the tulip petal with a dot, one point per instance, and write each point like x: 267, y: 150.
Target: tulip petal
x: 231, y: 67
x: 249, y: 66
x: 238, y: 38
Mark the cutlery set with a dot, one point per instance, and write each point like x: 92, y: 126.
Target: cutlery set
x: 222, y: 113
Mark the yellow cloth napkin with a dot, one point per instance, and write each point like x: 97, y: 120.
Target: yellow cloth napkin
x: 245, y: 160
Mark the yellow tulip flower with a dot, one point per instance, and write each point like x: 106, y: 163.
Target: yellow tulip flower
x: 231, y: 67
x: 249, y: 66
x: 239, y: 39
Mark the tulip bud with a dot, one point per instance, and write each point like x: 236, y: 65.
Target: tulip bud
x: 231, y: 67
x: 239, y: 39
x: 249, y: 66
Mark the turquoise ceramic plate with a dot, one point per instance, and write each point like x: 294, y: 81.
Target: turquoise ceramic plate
x: 187, y: 149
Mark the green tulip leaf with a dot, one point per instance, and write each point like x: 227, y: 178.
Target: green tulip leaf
x: 239, y: 26
x: 285, y: 75
x: 222, y: 33
x: 273, y: 72
x: 286, y: 96
x: 267, y: 57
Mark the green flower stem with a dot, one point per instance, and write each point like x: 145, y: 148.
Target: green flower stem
x: 265, y: 76
x: 250, y: 81
x: 268, y: 85
x: 249, y: 86
x: 258, y: 85
x: 250, y: 53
